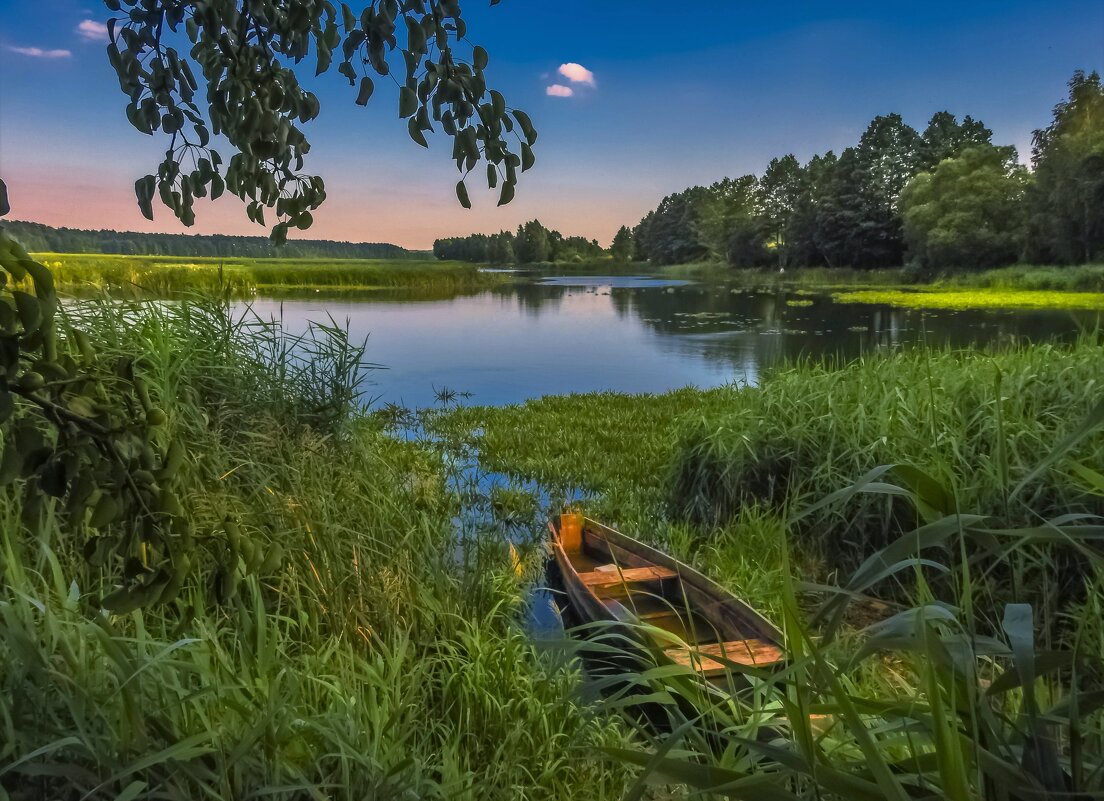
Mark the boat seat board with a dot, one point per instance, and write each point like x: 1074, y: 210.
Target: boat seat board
x: 754, y: 653
x: 603, y: 578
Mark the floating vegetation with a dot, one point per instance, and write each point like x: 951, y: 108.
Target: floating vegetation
x: 975, y: 298
x: 799, y: 303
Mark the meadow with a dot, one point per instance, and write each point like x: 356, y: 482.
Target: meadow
x: 162, y: 276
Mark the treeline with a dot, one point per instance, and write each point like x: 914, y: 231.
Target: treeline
x: 943, y: 197
x: 38, y: 238
x: 531, y: 244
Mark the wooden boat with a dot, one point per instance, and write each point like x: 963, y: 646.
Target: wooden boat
x: 688, y: 619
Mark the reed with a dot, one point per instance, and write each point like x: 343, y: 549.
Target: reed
x: 370, y: 662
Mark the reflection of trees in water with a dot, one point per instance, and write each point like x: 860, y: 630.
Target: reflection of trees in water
x: 533, y: 298
x: 751, y: 330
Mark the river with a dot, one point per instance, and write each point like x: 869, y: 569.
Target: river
x: 629, y: 334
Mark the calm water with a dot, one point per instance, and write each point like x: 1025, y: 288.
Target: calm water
x: 582, y: 334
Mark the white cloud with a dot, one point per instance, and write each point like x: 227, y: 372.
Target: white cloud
x: 92, y: 31
x: 559, y: 90
x: 577, y: 73
x: 38, y: 52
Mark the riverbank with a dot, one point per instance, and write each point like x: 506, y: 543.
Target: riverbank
x: 161, y: 276
x: 922, y: 524
x: 1023, y: 277
x: 723, y: 468
x: 323, y: 639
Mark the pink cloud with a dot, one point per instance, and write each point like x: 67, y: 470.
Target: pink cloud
x: 38, y: 52
x: 92, y: 31
x: 559, y: 90
x: 577, y: 73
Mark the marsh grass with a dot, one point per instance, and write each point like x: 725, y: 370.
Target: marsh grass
x: 368, y: 662
x: 145, y: 276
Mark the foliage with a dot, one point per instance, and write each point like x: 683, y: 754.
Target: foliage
x: 622, y: 247
x: 968, y: 212
x: 84, y: 439
x: 247, y: 57
x: 38, y: 238
x: 1068, y: 156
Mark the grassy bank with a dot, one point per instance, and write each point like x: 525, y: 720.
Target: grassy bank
x: 165, y: 275
x: 327, y: 641
x: 924, y: 526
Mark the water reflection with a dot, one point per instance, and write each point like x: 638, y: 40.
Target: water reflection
x: 582, y: 334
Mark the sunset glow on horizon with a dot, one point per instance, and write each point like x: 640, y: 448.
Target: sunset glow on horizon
x: 624, y: 117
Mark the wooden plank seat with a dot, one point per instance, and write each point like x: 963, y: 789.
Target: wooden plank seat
x: 610, y: 578
x: 754, y: 653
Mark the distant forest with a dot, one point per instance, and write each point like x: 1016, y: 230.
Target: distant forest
x: 39, y: 238
x: 943, y: 197
x: 532, y: 244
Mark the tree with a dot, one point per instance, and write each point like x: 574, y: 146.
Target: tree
x: 500, y: 249
x: 946, y: 138
x: 622, y: 247
x: 858, y: 223
x: 531, y: 244
x: 1068, y: 157
x: 888, y: 155
x: 968, y: 212
x: 779, y: 190
x: 248, y: 57
x: 814, y: 180
x: 674, y: 233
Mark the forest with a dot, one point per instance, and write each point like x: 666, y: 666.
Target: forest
x: 40, y: 238
x: 942, y: 198
x: 533, y: 243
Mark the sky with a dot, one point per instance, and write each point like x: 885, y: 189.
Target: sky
x: 633, y: 101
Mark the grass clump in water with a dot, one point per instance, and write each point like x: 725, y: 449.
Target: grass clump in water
x: 975, y: 298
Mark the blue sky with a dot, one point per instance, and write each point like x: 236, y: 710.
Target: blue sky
x: 679, y: 98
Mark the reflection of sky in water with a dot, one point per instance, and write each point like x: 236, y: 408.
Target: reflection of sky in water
x: 530, y: 340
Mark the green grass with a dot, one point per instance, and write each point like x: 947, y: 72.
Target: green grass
x: 967, y: 485
x: 166, y: 275
x: 985, y: 298
x: 365, y: 661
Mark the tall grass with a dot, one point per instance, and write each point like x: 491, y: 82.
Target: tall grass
x: 926, y: 527
x: 362, y: 661
x: 144, y: 276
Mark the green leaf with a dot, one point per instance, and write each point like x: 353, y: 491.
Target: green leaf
x: 462, y: 194
x: 366, y: 89
x: 416, y: 132
x: 507, y: 193
x: 479, y: 58
x: 143, y: 189
x: 5, y: 207
x: 408, y: 101
x: 527, y: 157
x: 1088, y: 425
x: 348, y: 17
x: 526, y: 127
